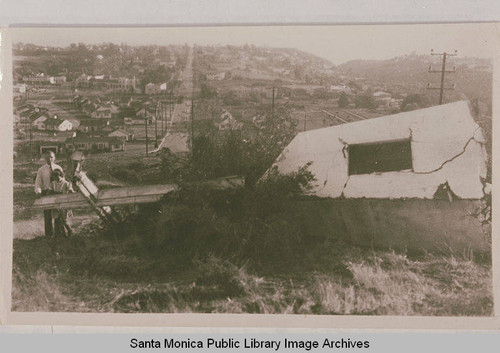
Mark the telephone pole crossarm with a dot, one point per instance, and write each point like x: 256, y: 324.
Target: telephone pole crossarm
x: 443, y: 71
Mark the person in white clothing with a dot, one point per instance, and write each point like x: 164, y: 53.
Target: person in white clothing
x: 42, y: 186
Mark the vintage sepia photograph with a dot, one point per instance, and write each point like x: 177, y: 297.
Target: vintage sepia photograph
x: 311, y: 170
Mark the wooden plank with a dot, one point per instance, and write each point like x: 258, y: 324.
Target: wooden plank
x: 109, y: 197
x: 127, y: 195
x: 61, y: 201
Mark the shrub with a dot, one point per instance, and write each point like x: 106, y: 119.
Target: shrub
x: 125, y: 174
x: 260, y: 223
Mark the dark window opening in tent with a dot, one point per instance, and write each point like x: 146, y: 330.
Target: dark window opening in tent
x: 380, y: 157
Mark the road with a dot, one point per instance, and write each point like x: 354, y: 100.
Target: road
x: 182, y: 111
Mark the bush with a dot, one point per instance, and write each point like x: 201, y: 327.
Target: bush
x: 343, y: 100
x: 125, y: 174
x: 365, y: 101
x: 415, y: 101
x: 257, y: 223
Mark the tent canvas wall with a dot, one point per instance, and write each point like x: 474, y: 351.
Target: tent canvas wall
x: 377, y: 180
x: 445, y: 145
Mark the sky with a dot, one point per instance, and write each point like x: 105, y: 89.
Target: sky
x: 336, y: 43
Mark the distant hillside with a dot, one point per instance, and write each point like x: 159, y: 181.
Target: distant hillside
x: 409, y: 73
x: 252, y: 62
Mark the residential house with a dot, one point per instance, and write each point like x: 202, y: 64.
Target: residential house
x: 84, y: 81
x: 216, y: 76
x: 94, y: 144
x: 88, y: 107
x: 137, y: 120
x: 122, y: 134
x: 23, y: 109
x: 93, y: 126
x: 120, y: 84
x: 74, y: 122
x: 146, y: 111
x: 46, y: 146
x: 382, y: 98
x: 43, y: 79
x: 102, y: 113
x: 20, y: 88
x: 153, y: 88
x: 56, y: 124
x: 38, y: 122
x: 57, y: 80
x: 339, y: 88
x: 37, y: 79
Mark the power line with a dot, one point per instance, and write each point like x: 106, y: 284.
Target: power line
x: 443, y: 71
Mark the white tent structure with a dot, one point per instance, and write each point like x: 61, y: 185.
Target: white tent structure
x: 405, y: 155
x: 408, y: 181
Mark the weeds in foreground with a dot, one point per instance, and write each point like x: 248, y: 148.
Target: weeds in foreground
x: 238, y: 251
x: 370, y: 283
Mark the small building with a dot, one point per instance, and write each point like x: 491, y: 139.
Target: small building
x: 24, y: 108
x: 37, y: 79
x: 44, y: 79
x: 154, y: 88
x: 74, y: 122
x: 146, y: 111
x: 56, y: 124
x: 102, y: 113
x: 92, y: 125
x: 339, y: 88
x: 137, y: 120
x: 88, y: 107
x: 47, y: 146
x: 383, y: 98
x: 94, y: 144
x: 213, y: 76
x: 122, y: 134
x: 39, y: 122
x: 57, y: 80
x: 20, y: 88
x: 151, y: 88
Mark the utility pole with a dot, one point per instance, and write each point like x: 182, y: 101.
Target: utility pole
x: 165, y: 119
x: 171, y: 106
x: 156, y: 131
x: 443, y: 71
x: 146, y: 124
x: 272, y: 109
x: 192, y: 122
x: 31, y: 146
x: 305, y: 120
x: 162, y: 111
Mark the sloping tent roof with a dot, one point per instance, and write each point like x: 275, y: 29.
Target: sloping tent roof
x: 446, y: 146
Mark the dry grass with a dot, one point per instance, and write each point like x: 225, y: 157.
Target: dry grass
x: 381, y: 283
x: 37, y: 292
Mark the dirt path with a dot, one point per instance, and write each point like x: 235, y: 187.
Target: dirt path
x: 32, y: 228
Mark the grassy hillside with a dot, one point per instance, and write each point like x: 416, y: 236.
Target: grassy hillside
x: 473, y: 78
